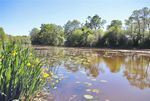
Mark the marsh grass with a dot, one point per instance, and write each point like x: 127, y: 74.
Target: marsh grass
x: 20, y: 73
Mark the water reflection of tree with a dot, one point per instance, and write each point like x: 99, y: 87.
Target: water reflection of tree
x: 137, y: 71
x: 137, y: 68
x: 91, y: 64
x: 114, y: 63
x: 84, y: 60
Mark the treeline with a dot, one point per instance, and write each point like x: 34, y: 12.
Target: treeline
x: 135, y: 33
x: 23, y: 40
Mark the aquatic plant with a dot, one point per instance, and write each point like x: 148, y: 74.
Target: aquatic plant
x: 20, y: 73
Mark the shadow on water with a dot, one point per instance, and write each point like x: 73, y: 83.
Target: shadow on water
x: 117, y: 77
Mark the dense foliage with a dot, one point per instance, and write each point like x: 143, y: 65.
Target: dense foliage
x: 135, y: 33
x: 49, y: 34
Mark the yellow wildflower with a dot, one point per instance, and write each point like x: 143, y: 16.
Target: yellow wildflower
x: 28, y: 64
x: 46, y: 75
x: 14, y: 53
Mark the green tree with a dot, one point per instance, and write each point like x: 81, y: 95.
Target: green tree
x: 70, y: 26
x: 34, y: 36
x: 95, y: 22
x: 113, y: 33
x: 145, y: 14
x: 75, y: 38
x: 84, y: 37
x: 49, y: 34
x: 115, y: 24
x: 129, y: 25
x: 138, y: 26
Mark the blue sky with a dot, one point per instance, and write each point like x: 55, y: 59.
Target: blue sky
x: 18, y: 17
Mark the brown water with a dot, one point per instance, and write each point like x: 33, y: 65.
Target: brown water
x: 105, y: 76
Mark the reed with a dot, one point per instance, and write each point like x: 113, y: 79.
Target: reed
x: 20, y: 73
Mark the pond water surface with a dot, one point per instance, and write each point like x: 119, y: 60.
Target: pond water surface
x: 102, y: 75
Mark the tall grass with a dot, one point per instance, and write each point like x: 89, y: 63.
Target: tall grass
x: 20, y: 73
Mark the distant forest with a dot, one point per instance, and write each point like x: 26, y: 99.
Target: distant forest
x: 135, y: 33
